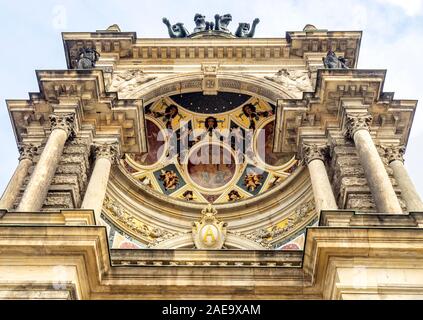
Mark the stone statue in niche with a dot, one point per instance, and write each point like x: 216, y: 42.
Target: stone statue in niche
x: 333, y: 62
x: 177, y: 30
x: 87, y: 58
x: 201, y: 24
x: 222, y: 22
x: 244, y: 31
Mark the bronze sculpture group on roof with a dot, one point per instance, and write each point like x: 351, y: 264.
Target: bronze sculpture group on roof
x: 220, y: 24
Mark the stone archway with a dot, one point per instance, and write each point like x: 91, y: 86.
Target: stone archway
x: 153, y: 89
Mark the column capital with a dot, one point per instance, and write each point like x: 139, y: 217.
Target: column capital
x: 106, y: 150
x: 27, y: 151
x: 312, y: 152
x: 356, y: 123
x: 64, y: 121
x: 394, y: 152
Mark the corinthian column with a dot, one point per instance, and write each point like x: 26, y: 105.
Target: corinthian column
x: 314, y: 156
x: 27, y: 152
x: 62, y: 125
x: 105, y: 155
x: 380, y: 185
x: 395, y: 156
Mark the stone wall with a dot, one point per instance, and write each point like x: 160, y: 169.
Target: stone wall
x: 347, y: 176
x: 70, y: 180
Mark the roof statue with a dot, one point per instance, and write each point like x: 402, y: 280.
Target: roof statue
x: 217, y: 27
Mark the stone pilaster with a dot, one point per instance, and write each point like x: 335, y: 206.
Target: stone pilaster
x: 62, y: 126
x: 105, y: 156
x: 26, y: 156
x: 314, y: 156
x: 395, y: 157
x: 358, y: 129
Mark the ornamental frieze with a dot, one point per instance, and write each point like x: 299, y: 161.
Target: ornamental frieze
x: 267, y: 237
x: 153, y: 235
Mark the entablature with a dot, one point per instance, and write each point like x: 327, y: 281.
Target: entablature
x: 338, y: 92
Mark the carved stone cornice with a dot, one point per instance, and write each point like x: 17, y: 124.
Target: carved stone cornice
x: 356, y: 123
x: 108, y: 151
x: 312, y: 152
x: 27, y: 151
x: 394, y: 152
x: 65, y: 121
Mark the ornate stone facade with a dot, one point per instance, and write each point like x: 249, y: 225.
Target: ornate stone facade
x: 317, y: 190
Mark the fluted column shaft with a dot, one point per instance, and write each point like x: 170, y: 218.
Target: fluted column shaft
x: 314, y: 156
x: 395, y: 155
x: 27, y: 152
x: 105, y: 155
x: 37, y: 188
x: 380, y: 185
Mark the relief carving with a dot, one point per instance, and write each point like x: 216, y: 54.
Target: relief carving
x: 125, y: 83
x: 296, y: 81
x: 267, y: 236
x: 153, y: 234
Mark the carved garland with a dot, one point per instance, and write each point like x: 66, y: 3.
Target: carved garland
x: 151, y: 234
x: 266, y: 237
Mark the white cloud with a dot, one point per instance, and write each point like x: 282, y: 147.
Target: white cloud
x: 410, y: 7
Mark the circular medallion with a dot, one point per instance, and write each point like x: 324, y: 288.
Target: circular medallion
x: 211, y: 166
x: 209, y: 235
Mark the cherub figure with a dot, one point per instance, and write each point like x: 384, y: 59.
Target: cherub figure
x: 170, y: 179
x: 252, y: 181
x: 222, y: 22
x: 244, y: 31
x: 234, y: 196
x: 177, y: 30
x: 188, y: 195
x: 201, y: 24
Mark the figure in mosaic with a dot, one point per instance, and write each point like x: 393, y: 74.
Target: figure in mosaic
x: 252, y: 181
x: 170, y: 179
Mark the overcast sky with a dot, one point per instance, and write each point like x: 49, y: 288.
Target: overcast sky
x: 31, y: 39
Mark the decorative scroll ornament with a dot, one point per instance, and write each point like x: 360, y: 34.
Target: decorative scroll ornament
x: 106, y: 150
x: 394, y: 153
x: 356, y: 123
x: 64, y: 121
x: 27, y: 151
x: 209, y: 233
x: 313, y: 151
